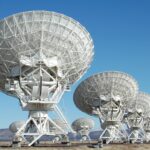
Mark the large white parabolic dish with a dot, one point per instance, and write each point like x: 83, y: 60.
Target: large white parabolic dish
x: 138, y: 117
x: 92, y: 91
x: 55, y: 39
x: 141, y: 104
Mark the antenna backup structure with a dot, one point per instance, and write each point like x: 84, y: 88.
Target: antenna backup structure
x: 138, y: 111
x: 83, y: 127
x: 105, y: 95
x: 42, y: 54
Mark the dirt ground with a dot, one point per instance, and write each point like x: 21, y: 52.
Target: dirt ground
x: 6, y: 146
x: 108, y: 147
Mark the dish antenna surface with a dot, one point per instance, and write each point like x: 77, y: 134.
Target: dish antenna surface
x: 105, y: 95
x: 136, y: 117
x: 83, y: 127
x: 42, y: 54
x: 15, y: 126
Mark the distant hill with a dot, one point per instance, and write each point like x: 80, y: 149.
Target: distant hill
x: 5, y: 135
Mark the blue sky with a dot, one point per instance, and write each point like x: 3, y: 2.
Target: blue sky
x: 121, y: 35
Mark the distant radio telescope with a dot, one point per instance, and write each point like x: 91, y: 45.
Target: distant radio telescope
x: 106, y: 96
x: 136, y: 118
x: 15, y: 126
x: 83, y: 127
x: 42, y: 54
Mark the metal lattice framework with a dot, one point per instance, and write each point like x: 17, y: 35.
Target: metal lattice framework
x: 139, y: 110
x: 58, y: 122
x: 83, y: 126
x: 41, y: 54
x: 106, y: 95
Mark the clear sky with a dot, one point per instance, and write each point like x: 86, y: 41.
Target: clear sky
x: 121, y: 35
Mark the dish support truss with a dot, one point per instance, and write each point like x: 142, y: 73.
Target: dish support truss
x: 39, y: 92
x: 112, y: 113
x: 135, y: 124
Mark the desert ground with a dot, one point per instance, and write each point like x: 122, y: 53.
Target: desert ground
x: 107, y: 147
x: 7, y: 146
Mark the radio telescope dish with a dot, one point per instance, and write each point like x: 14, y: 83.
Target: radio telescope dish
x: 82, y: 123
x: 42, y: 54
x: 106, y: 95
x: 143, y: 103
x: 83, y: 126
x: 15, y: 126
x: 137, y: 117
x: 55, y: 40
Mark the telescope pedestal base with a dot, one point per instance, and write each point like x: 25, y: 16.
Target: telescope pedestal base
x: 36, y: 126
x: 16, y: 143
x: 84, y: 135
x: 136, y: 137
x: 85, y: 138
x: 60, y: 138
x: 111, y: 134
